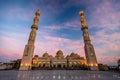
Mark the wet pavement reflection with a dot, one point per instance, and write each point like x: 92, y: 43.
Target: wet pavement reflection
x: 67, y: 75
x: 58, y: 75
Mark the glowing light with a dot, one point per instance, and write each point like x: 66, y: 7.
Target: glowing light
x: 26, y: 64
x: 21, y: 64
x: 91, y: 64
x: 96, y: 64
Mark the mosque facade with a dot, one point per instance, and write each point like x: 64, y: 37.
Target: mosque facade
x: 59, y: 61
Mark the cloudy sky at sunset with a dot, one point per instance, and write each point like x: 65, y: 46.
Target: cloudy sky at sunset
x: 60, y: 28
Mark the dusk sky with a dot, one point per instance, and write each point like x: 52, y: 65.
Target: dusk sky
x: 60, y: 28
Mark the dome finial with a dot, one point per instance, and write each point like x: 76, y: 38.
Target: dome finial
x: 81, y: 13
x: 37, y: 12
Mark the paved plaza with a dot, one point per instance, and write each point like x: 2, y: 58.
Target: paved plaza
x: 58, y: 75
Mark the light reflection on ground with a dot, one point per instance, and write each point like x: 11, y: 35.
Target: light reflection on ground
x: 59, y: 75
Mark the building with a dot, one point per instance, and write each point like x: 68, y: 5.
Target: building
x: 59, y: 61
x: 103, y: 67
x: 72, y: 61
x: 7, y: 66
x: 89, y: 49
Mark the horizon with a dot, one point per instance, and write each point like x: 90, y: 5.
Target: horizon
x: 59, y: 28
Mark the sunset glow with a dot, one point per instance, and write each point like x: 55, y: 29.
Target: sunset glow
x: 60, y: 28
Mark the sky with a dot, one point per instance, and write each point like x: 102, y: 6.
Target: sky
x: 59, y: 28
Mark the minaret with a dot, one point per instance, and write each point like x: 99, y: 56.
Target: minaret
x: 89, y: 49
x: 26, y: 62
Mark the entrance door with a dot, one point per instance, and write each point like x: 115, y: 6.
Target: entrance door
x: 59, y: 66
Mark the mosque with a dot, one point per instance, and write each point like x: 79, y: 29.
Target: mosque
x: 72, y: 61
x: 47, y: 61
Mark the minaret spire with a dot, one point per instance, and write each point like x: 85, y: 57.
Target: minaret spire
x: 34, y: 27
x: 29, y: 48
x: 83, y: 20
x: 89, y: 49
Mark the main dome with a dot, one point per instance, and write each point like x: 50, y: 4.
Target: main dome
x: 59, y: 54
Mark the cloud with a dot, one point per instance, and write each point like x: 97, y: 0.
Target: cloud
x: 51, y: 8
x: 73, y: 25
x: 105, y: 15
x: 52, y: 27
x: 11, y: 46
x: 53, y: 44
x: 107, y: 47
x: 109, y: 60
x: 17, y: 13
x: 103, y: 21
x: 104, y: 18
x: 1, y: 49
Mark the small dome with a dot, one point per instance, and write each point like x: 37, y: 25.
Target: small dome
x: 67, y: 56
x: 36, y: 56
x: 45, y: 54
x: 72, y: 54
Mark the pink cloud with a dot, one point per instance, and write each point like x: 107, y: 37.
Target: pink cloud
x: 74, y: 25
x: 107, y: 46
x: 54, y: 27
x: 105, y: 15
x: 53, y: 44
x: 1, y: 49
x: 109, y: 60
x: 11, y: 47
